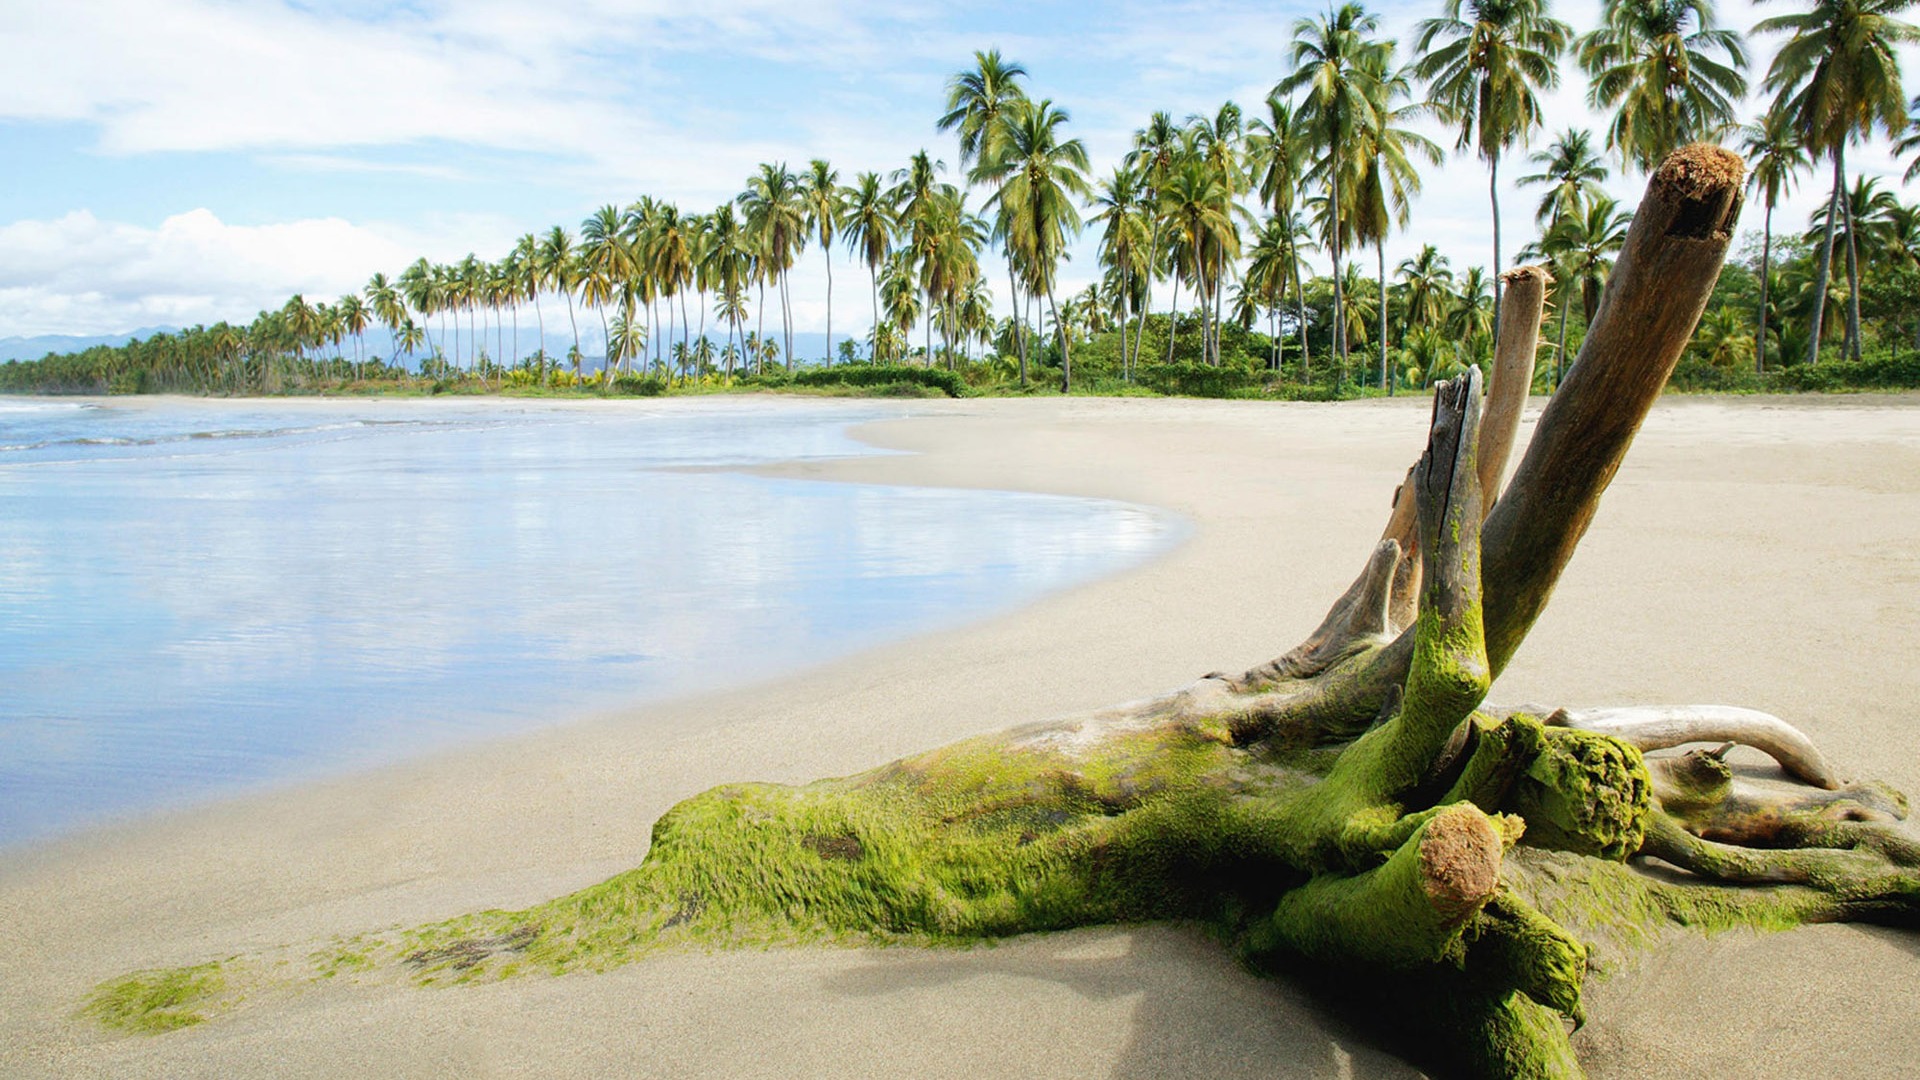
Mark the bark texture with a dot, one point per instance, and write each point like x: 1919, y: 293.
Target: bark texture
x: 1352, y: 813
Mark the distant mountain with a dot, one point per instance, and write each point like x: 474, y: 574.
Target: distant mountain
x: 33, y: 348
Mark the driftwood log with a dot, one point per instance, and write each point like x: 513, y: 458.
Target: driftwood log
x: 1352, y: 813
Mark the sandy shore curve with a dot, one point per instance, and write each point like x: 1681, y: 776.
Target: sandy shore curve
x: 1756, y: 552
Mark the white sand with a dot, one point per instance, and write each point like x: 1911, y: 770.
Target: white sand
x: 1753, y: 552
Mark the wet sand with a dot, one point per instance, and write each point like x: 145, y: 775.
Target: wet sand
x: 1753, y: 551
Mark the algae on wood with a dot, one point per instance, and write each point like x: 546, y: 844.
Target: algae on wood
x: 1353, y: 813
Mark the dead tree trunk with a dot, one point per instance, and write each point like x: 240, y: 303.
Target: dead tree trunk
x: 1352, y: 812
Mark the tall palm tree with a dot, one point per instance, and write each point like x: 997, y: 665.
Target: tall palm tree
x: 1278, y: 153
x: 526, y: 252
x: 1581, y: 248
x: 604, y: 262
x: 389, y: 308
x: 1044, y: 177
x: 1428, y: 285
x: 1124, y: 241
x: 1330, y: 59
x: 1194, y: 204
x: 978, y: 101
x: 1386, y: 178
x: 979, y: 104
x: 1486, y: 77
x: 1156, y: 149
x: 1666, y: 72
x: 777, y: 216
x: 1774, y: 158
x: 820, y: 189
x: 560, y: 271
x: 416, y: 284
x: 1572, y: 172
x: 1216, y: 139
x: 869, y: 225
x: 1837, y: 78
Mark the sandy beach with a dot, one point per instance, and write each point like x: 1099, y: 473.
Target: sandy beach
x: 1755, y: 552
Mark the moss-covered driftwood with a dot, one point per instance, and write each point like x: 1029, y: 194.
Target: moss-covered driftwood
x: 1353, y: 812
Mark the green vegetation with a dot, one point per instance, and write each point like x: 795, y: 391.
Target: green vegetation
x: 1218, y: 211
x: 150, y: 1002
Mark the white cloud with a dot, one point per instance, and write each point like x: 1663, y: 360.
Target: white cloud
x: 79, y: 274
x: 612, y: 99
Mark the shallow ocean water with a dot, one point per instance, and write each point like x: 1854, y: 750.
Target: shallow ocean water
x: 201, y: 597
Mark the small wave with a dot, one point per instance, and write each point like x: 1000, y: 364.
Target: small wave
x: 45, y: 406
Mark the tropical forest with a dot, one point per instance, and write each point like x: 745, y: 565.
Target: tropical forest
x: 1241, y: 253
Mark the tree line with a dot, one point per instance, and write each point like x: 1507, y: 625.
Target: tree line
x: 1220, y: 212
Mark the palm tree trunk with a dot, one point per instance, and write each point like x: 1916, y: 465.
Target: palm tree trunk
x: 606, y: 345
x: 1300, y: 312
x: 574, y: 323
x: 873, y: 347
x: 1853, y: 285
x: 1173, y: 318
x: 1766, y: 254
x: 760, y: 326
x: 1380, y: 248
x: 827, y: 251
x: 1153, y: 249
x: 1560, y: 350
x: 1493, y: 193
x: 1066, y: 350
x: 542, y: 319
x: 686, y: 344
x: 786, y: 318
x: 1019, y: 324
x: 1826, y: 257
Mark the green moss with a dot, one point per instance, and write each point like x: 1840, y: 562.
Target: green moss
x: 151, y: 1002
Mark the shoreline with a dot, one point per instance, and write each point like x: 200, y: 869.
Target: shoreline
x: 1743, y: 539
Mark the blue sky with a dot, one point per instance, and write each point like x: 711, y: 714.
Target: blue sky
x: 182, y: 161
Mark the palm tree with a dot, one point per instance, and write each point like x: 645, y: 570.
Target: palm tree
x: 1125, y: 239
x: 1581, y: 248
x: 1270, y: 268
x: 1193, y: 204
x: 1386, y: 178
x: 777, y: 216
x: 1330, y: 59
x: 1910, y: 142
x: 1666, y: 72
x: 1156, y: 148
x: 1044, y: 176
x: 354, y: 319
x: 1278, y: 152
x: 1573, y: 173
x: 1216, y: 140
x: 1837, y: 78
x: 1774, y: 158
x: 869, y: 225
x: 527, y: 256
x: 821, y: 191
x: 1484, y: 79
x: 604, y: 263
x: 1428, y: 285
x: 416, y: 284
x: 560, y: 271
x: 388, y: 308
x: 979, y: 103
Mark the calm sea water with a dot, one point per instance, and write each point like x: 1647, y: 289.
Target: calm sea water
x: 197, y: 598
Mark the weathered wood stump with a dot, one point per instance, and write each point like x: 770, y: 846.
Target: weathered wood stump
x: 1353, y: 812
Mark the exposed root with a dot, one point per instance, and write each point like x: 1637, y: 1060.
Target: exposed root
x: 1658, y: 727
